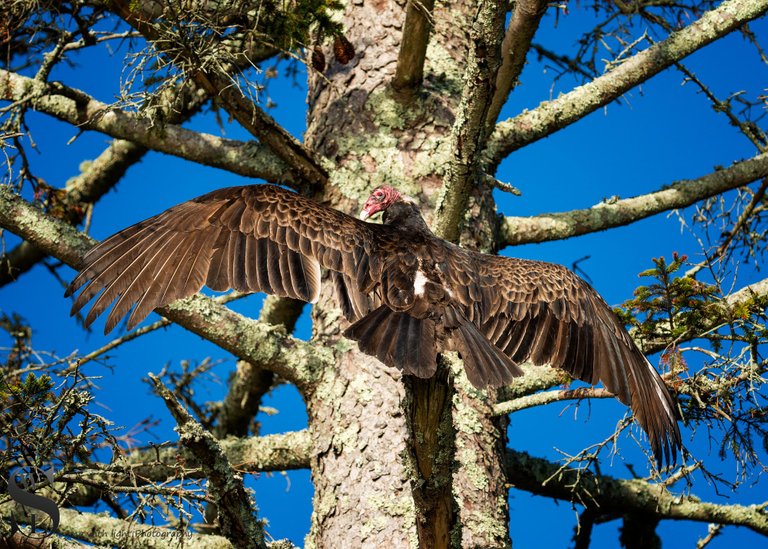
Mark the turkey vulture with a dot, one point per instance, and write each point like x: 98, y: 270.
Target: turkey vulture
x: 407, y: 293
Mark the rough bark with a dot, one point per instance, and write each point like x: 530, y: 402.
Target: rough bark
x: 413, y: 49
x: 526, y: 15
x: 383, y: 471
x: 469, y: 130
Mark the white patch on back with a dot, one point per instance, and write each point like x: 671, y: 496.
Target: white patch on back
x: 419, y: 283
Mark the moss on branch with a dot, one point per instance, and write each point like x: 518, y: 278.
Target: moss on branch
x: 236, y: 514
x: 86, y: 113
x: 559, y: 113
x: 604, y: 492
x: 606, y: 215
x: 468, y: 133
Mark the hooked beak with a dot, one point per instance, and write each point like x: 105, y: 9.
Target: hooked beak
x: 364, y: 214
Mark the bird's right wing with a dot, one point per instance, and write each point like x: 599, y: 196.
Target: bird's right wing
x: 257, y: 238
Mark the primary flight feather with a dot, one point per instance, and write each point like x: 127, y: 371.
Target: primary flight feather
x: 407, y: 293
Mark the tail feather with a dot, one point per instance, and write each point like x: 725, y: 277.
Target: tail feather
x: 397, y: 339
x: 485, y: 364
x: 408, y: 343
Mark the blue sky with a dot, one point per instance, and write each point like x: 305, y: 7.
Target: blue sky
x: 662, y: 133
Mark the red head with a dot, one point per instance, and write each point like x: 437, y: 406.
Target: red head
x: 381, y: 198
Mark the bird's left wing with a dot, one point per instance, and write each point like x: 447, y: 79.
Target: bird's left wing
x: 543, y: 313
x: 252, y: 238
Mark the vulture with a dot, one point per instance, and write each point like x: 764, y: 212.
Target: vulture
x: 407, y: 294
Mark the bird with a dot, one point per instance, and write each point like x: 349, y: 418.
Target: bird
x: 406, y: 293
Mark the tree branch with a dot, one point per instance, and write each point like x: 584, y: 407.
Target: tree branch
x: 250, y: 383
x: 85, y: 112
x: 115, y: 532
x: 545, y: 478
x: 101, y: 175
x: 638, y: 531
x: 556, y: 114
x: 517, y: 41
x: 18, y: 261
x: 468, y: 133
x: 280, y: 452
x: 413, y: 47
x: 547, y: 397
x: 560, y: 225
x: 222, y: 86
x: 237, y: 518
x: 261, y: 344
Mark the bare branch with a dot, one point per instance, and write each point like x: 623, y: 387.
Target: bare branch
x: 563, y: 62
x: 247, y: 113
x: 743, y: 221
x: 750, y: 131
x: 517, y: 41
x: 18, y: 261
x: 101, y: 175
x: 115, y: 532
x: 713, y: 530
x: 280, y: 452
x: 554, y: 115
x: 557, y: 226
x: 468, y: 133
x: 413, y: 47
x: 545, y: 478
x: 259, y: 343
x: 547, y: 397
x: 237, y: 516
x: 85, y: 112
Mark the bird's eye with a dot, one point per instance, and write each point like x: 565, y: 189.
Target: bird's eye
x: 379, y: 194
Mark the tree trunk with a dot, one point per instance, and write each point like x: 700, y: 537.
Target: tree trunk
x: 398, y: 461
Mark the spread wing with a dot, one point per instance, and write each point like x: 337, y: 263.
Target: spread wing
x: 545, y: 314
x: 258, y: 238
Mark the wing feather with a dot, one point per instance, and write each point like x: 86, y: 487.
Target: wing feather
x: 545, y: 314
x: 253, y: 238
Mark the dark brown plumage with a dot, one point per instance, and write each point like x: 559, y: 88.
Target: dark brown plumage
x: 407, y: 293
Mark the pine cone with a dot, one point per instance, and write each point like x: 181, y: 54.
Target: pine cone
x: 343, y: 49
x: 318, y: 59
